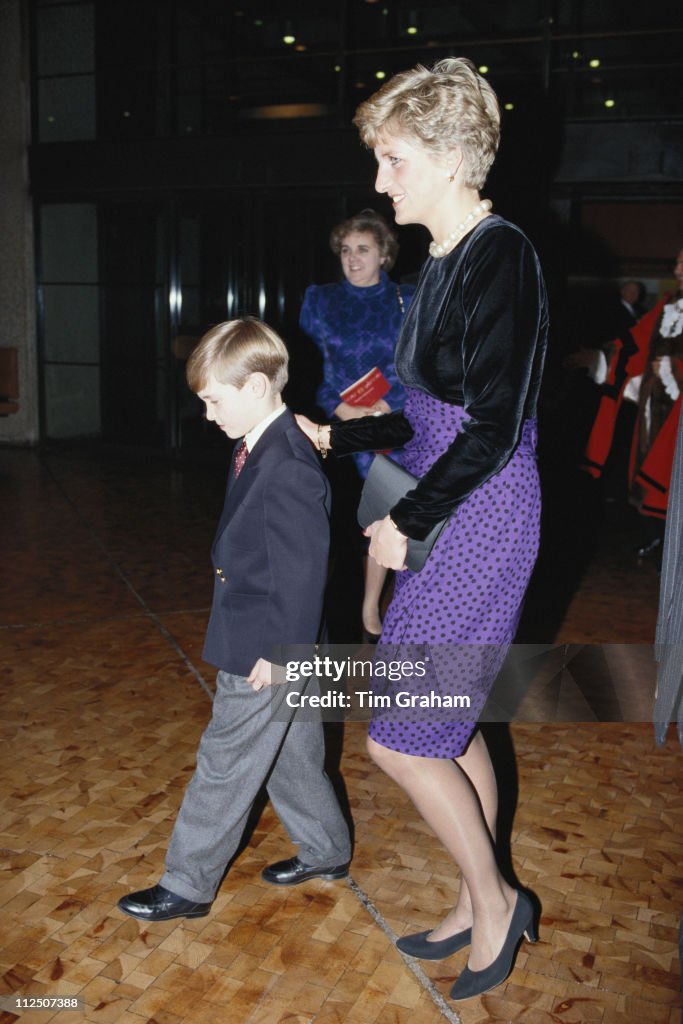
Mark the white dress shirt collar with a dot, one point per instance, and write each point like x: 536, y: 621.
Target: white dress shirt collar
x: 254, y: 434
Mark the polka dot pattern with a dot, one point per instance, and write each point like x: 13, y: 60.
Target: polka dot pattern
x: 461, y: 611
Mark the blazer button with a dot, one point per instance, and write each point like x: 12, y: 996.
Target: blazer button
x: 221, y: 577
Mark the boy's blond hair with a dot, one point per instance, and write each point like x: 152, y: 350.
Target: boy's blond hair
x: 232, y: 351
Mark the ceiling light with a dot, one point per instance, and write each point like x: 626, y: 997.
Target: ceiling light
x: 484, y: 69
x: 509, y: 106
x: 380, y: 74
x: 289, y: 39
x: 595, y: 63
x: 413, y: 23
x: 609, y: 103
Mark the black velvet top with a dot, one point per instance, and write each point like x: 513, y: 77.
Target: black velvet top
x: 474, y: 336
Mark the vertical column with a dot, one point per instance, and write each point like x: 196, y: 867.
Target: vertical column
x: 17, y: 288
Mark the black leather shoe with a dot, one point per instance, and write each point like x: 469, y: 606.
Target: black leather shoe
x: 292, y: 871
x: 419, y: 946
x: 159, y: 904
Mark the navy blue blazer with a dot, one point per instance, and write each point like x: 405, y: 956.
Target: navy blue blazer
x: 270, y: 552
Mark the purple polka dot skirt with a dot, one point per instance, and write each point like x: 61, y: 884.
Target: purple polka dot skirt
x: 457, y: 617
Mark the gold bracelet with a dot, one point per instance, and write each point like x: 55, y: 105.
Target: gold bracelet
x: 323, y: 451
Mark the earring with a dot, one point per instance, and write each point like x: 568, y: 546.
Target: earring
x: 451, y: 178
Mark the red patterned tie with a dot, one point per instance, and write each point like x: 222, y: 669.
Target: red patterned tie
x: 240, y: 458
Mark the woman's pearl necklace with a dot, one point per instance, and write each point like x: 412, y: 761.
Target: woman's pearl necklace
x: 440, y: 248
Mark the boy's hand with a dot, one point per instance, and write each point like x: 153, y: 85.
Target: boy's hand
x: 261, y: 675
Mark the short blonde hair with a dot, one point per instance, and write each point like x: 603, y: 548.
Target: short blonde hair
x: 374, y: 223
x: 232, y: 351
x: 445, y: 106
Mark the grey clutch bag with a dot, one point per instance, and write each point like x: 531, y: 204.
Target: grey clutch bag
x: 385, y: 484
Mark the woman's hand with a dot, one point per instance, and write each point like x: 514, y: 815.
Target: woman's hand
x: 309, y: 428
x: 388, y: 546
x: 317, y: 434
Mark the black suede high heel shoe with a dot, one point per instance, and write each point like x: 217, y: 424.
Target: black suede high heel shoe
x: 475, y: 983
x: 418, y: 945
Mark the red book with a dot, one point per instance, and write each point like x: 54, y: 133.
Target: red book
x: 368, y: 389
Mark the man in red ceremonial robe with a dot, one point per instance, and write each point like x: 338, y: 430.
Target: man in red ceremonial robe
x: 646, y: 366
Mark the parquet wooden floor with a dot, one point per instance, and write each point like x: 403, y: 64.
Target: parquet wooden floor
x: 104, y: 698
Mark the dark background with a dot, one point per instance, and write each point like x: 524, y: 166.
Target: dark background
x: 187, y: 165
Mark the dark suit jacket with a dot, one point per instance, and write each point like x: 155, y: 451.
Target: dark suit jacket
x: 270, y: 552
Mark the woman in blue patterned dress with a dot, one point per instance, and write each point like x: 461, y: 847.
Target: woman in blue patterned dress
x: 355, y: 324
x: 470, y: 356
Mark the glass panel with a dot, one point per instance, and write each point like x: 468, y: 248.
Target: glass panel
x: 189, y: 115
x: 71, y: 326
x: 130, y: 401
x: 68, y: 242
x: 161, y: 316
x: 268, y: 90
x: 65, y: 39
x: 438, y: 24
x: 130, y: 32
x: 191, y: 308
x: 162, y: 394
x: 72, y: 401
x: 593, y: 15
x: 127, y: 104
x: 620, y: 95
x: 130, y: 246
x: 188, y: 245
x: 66, y: 108
x: 594, y: 57
x: 230, y: 30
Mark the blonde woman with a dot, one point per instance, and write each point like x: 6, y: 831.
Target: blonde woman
x: 470, y: 356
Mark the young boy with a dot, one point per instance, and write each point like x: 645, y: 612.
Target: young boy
x: 270, y: 563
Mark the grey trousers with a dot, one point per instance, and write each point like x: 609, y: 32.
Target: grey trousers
x: 241, y: 745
